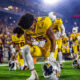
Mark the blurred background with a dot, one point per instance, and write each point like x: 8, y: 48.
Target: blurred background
x: 11, y: 11
x: 68, y: 10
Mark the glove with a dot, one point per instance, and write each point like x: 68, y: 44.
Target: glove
x: 51, y: 57
x: 11, y: 46
x: 71, y: 39
x: 41, y: 43
x: 35, y: 43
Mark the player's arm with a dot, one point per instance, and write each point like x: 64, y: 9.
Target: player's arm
x: 71, y: 39
x: 63, y: 29
x: 51, y: 37
x: 27, y: 39
x: 68, y: 42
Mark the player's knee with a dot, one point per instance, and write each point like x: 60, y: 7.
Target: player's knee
x: 27, y: 49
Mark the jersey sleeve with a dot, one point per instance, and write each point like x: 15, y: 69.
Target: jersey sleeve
x: 47, y: 23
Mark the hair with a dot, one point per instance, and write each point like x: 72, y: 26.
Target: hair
x: 18, y: 31
x: 26, y: 20
x: 13, y: 57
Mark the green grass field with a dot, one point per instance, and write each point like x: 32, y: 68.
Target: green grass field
x: 68, y: 73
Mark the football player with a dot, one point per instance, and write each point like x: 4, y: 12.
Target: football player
x: 65, y: 44
x: 78, y: 38
x: 18, y: 42
x: 34, y: 28
x: 73, y: 38
x: 12, y: 63
x: 59, y: 31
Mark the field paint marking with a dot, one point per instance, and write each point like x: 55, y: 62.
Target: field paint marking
x: 3, y: 64
x: 37, y: 63
x: 43, y: 62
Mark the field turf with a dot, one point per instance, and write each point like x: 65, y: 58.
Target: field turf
x: 68, y: 73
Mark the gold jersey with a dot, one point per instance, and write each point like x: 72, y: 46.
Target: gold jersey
x: 74, y: 37
x: 57, y: 25
x: 1, y: 35
x: 78, y: 34
x: 1, y: 44
x: 22, y: 39
x: 39, y: 33
x: 65, y: 40
x: 15, y: 39
x: 18, y: 41
x: 42, y: 25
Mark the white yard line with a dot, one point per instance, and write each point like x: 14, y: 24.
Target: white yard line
x: 37, y: 63
x: 43, y: 62
x: 3, y: 64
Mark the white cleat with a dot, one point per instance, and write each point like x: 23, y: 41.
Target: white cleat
x: 33, y: 76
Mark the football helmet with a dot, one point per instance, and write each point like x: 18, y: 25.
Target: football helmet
x: 76, y: 64
x: 12, y: 65
x: 51, y: 70
x: 75, y: 30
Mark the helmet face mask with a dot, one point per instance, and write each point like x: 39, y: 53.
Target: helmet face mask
x: 51, y: 71
x: 75, y: 30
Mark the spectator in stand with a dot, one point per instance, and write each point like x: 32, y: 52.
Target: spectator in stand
x: 1, y: 51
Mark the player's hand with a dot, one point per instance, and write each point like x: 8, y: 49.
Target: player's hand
x: 35, y: 43
x: 41, y: 43
x: 63, y: 35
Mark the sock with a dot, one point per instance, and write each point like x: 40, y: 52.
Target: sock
x: 60, y: 57
x: 23, y: 55
x: 29, y: 58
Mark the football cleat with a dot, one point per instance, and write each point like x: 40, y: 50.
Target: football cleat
x: 33, y: 76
